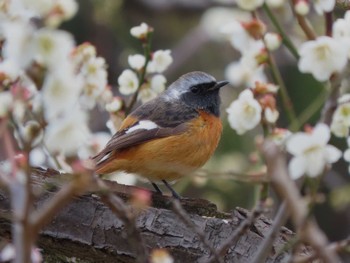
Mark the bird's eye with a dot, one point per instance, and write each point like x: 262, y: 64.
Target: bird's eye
x: 195, y: 89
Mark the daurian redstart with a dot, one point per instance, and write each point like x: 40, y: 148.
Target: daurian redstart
x: 169, y: 136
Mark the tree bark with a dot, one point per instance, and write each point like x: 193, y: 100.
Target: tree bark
x: 86, y: 230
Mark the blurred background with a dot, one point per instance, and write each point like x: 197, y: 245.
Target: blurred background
x: 187, y: 28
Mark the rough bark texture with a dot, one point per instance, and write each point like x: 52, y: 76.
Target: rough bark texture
x: 87, y: 231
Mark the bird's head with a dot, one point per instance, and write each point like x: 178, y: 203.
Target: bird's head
x: 197, y: 90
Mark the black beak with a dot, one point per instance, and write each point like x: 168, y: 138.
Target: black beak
x: 220, y: 84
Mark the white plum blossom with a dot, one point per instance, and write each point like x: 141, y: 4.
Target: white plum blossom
x: 245, y: 72
x: 302, y: 7
x: 249, y: 5
x: 136, y: 61
x: 51, y: 48
x: 151, y: 90
x: 311, y: 151
x: 346, y: 155
x: 323, y: 6
x: 9, y: 71
x: 244, y: 113
x: 95, y: 143
x: 271, y: 115
x: 215, y: 17
x: 341, y: 118
x: 161, y: 60
x: 94, y: 75
x: 140, y: 31
x: 128, y: 82
x: 240, y: 38
x: 341, y: 27
x: 18, y: 36
x: 322, y: 57
x: 272, y: 41
x: 68, y: 133
x: 60, y: 93
x: 158, y: 83
x: 115, y: 105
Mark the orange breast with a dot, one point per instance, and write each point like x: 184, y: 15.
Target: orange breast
x: 172, y: 157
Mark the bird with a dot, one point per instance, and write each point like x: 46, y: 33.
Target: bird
x: 169, y: 136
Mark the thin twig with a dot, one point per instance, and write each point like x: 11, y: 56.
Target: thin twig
x: 328, y: 23
x: 285, y: 38
x: 123, y: 212
x: 287, y: 102
x: 147, y: 54
x: 336, y: 247
x: 75, y: 187
x: 265, y: 248
x: 331, y: 102
x: 287, y: 190
x: 241, y: 229
x: 177, y: 208
x: 303, y: 23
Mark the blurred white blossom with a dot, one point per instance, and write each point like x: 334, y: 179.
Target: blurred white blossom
x: 272, y: 41
x: 341, y: 118
x: 302, y: 7
x: 249, y: 5
x: 140, y: 31
x: 214, y: 18
x: 161, y: 60
x: 18, y: 36
x: 245, y: 72
x: 323, y: 6
x: 115, y: 105
x: 151, y: 90
x: 128, y: 82
x: 52, y: 48
x: 67, y: 133
x: 244, y: 113
x: 60, y: 93
x: 311, y: 152
x: 136, y: 61
x: 271, y: 115
x: 322, y: 57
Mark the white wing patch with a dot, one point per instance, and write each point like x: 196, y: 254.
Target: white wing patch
x: 143, y: 125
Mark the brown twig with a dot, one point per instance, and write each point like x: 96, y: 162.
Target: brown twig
x: 331, y: 103
x: 328, y: 23
x: 288, y: 191
x: 265, y: 248
x: 75, y: 187
x: 336, y: 247
x: 241, y: 229
x: 181, y: 213
x: 123, y: 212
x: 304, y: 24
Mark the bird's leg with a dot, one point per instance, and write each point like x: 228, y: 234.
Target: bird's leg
x: 157, y: 188
x: 175, y: 195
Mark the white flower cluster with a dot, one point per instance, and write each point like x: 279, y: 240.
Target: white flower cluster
x: 154, y: 82
x: 326, y: 55
x: 47, y: 83
x: 311, y: 151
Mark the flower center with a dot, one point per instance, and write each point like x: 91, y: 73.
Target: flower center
x: 322, y: 52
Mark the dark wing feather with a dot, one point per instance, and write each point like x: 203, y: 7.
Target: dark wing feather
x: 122, y: 140
x: 170, y: 116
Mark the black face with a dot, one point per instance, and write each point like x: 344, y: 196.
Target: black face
x: 204, y: 96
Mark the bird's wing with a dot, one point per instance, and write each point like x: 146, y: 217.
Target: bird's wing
x: 152, y: 120
x: 136, y: 133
